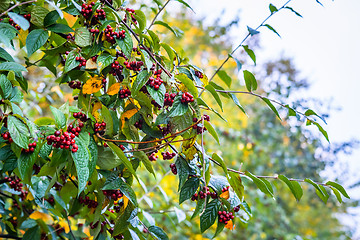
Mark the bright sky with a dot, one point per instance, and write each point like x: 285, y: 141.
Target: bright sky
x: 325, y: 47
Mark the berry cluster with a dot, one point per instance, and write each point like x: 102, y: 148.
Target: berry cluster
x: 199, y: 74
x: 70, y: 37
x: 224, y: 189
x: 152, y: 157
x: 122, y: 147
x: 118, y: 206
x: 132, y: 13
x: 202, y: 194
x: 124, y: 93
x: 87, y: 201
x: 99, y: 14
x: 99, y: 127
x: 186, y: 98
x: 134, y: 65
x: 86, y: 10
x: 138, y: 124
x: 224, y: 216
x: 169, y: 99
x: 155, y: 82
x: 110, y: 34
x: 168, y: 155
x: 6, y: 136
x: 173, y: 168
x: 116, y: 68
x: 94, y: 31
x: 27, y: 16
x: 136, y: 50
x: 75, y: 84
x: 206, y: 117
x: 237, y: 208
x: 65, y: 140
x: 31, y: 148
x: 17, y: 186
x: 165, y: 130
x: 94, y: 58
x: 113, y: 194
x: 81, y: 116
x: 81, y: 60
x: 199, y: 129
x: 12, y: 23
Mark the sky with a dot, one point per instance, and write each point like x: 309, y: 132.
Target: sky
x: 324, y: 45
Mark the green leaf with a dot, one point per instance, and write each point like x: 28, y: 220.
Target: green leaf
x: 51, y: 18
x: 32, y: 233
x: 82, y: 37
x: 250, y: 81
x: 271, y: 106
x: 236, y: 184
x: 60, y: 119
x: 109, y: 130
x: 338, y: 187
x: 116, y: 150
x: 38, y: 15
x: 164, y: 24
x: 294, y: 186
x: 145, y: 160
x: 60, y: 28
x: 183, y: 170
x: 26, y: 162
x: 126, y: 44
x: 81, y: 159
x: 19, y: 20
x: 272, y: 29
x: 189, y: 189
x: 19, y: 132
x: 12, y: 66
x: 158, y: 233
x: 260, y: 184
x: 141, y: 19
x: 225, y: 77
x: 250, y: 53
x: 7, y: 33
x: 157, y: 95
x: 252, y: 31
x: 199, y: 207
x: 310, y: 112
x: 169, y: 50
x: 219, y: 228
x: 272, y: 8
x: 236, y: 101
x: 178, y: 108
x: 121, y: 223
x: 321, y: 192
x: 321, y: 129
x: 238, y: 63
x: 207, y: 219
x: 5, y: 86
x: 71, y: 62
x: 139, y: 82
x: 185, y: 4
x: 104, y: 60
x: 189, y: 84
x: 213, y: 92
x: 35, y: 40
x: 212, y: 131
x: 291, y: 9
x: 220, y: 161
x: 126, y: 189
x: 337, y: 194
x: 5, y: 55
x: 155, y: 39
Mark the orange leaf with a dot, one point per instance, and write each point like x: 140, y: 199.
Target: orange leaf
x: 225, y: 195
x: 95, y: 111
x: 70, y: 19
x: 230, y: 225
x: 92, y: 85
x: 114, y: 89
x: 128, y: 115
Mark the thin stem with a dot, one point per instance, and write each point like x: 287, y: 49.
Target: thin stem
x: 6, y: 236
x: 242, y: 42
x: 71, y: 232
x: 16, y: 5
x: 157, y: 14
x: 8, y: 196
x: 151, y: 234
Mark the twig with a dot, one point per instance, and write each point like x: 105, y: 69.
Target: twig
x: 242, y: 42
x: 9, y: 236
x: 151, y: 234
x: 157, y: 14
x: 8, y: 196
x: 71, y: 232
x: 16, y: 5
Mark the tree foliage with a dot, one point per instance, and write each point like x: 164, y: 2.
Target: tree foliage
x: 136, y: 98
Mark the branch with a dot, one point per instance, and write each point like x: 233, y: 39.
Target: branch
x: 6, y: 236
x: 16, y: 5
x: 242, y: 42
x: 157, y: 14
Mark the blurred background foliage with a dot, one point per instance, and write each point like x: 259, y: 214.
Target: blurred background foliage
x: 259, y: 142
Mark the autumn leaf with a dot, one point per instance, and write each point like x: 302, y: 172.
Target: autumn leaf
x: 90, y: 64
x: 114, y: 89
x: 70, y: 19
x: 230, y: 225
x: 128, y: 115
x: 225, y: 195
x: 92, y: 85
x: 95, y: 111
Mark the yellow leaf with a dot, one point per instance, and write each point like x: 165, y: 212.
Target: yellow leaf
x: 70, y: 19
x: 65, y: 225
x: 230, y: 225
x: 22, y: 36
x: 189, y: 152
x: 128, y: 115
x: 95, y: 111
x: 90, y: 64
x: 39, y: 215
x: 225, y: 195
x: 126, y: 201
x: 205, y: 80
x: 114, y: 89
x: 29, y: 196
x: 92, y: 85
